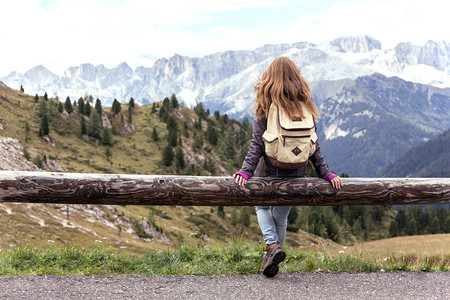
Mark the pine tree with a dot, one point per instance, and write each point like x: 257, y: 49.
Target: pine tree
x: 83, y: 126
x: 165, y: 116
x: 179, y: 159
x: 44, y: 128
x: 200, y: 110
x: 161, y: 112
x: 447, y: 224
x: 224, y: 119
x: 60, y: 107
x: 198, y: 124
x: 155, y: 136
x: 172, y: 124
x: 185, y: 130
x: 106, y: 137
x: 400, y: 218
x: 68, y: 105
x: 166, y: 104
x: 87, y: 109
x: 233, y: 217
x: 42, y: 107
x: 36, y: 98
x: 190, y: 170
x: 411, y: 229
x: 45, y: 96
x: 217, y: 115
x: 153, y: 108
x: 174, y: 101
x: 51, y: 108
x: 434, y: 226
x: 172, y: 138
x: 210, y: 166
x: 81, y: 106
x: 93, y: 127
x: 108, y: 154
x: 129, y: 116
x: 38, y: 161
x: 116, y: 108
x: 393, y: 229
x: 244, y: 216
x: 441, y: 214
x: 229, y: 138
x: 21, y: 89
x: 27, y: 131
x: 211, y: 134
x: 98, y: 107
x: 293, y: 215
x: 198, y: 142
x: 220, y: 212
x: 167, y: 156
x: 131, y: 104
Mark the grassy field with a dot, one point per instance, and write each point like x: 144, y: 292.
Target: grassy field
x: 235, y: 257
x: 433, y: 244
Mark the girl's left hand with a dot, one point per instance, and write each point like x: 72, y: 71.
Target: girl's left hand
x: 336, y: 182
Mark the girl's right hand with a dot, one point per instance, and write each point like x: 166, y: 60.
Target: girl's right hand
x: 336, y: 182
x: 240, y: 180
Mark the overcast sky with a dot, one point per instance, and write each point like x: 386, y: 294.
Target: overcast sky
x: 63, y: 33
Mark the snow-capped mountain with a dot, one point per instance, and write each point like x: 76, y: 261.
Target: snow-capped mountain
x: 224, y: 81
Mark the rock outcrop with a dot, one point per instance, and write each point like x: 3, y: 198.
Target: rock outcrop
x: 12, y: 158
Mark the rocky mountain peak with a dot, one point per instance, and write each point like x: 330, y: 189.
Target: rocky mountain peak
x: 356, y: 44
x: 224, y: 80
x: 40, y: 73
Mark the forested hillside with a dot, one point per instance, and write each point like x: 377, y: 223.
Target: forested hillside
x: 429, y: 159
x: 83, y: 136
x: 160, y: 138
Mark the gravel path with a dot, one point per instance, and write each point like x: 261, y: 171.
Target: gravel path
x: 396, y: 285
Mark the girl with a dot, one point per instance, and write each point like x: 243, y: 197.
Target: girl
x: 283, y: 85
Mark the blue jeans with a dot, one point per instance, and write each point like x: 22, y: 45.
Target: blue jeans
x: 273, y: 223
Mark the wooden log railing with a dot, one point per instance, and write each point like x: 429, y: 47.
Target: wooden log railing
x: 81, y: 188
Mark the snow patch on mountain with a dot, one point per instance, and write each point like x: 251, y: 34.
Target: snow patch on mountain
x: 333, y: 131
x: 189, y: 97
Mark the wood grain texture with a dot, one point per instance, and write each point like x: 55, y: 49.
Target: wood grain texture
x: 81, y: 188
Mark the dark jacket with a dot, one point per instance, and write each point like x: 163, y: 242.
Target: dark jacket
x: 255, y: 164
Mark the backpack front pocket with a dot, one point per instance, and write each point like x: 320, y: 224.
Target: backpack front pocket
x: 294, y: 148
x: 270, y: 144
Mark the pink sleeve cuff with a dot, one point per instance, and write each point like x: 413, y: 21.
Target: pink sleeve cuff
x: 246, y: 177
x: 331, y: 176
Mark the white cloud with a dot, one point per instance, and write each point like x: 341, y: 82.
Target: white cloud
x: 61, y: 33
x: 389, y: 21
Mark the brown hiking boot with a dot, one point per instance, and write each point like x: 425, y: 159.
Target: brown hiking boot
x: 263, y: 262
x: 275, y: 255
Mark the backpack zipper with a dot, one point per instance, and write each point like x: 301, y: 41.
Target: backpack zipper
x: 293, y: 136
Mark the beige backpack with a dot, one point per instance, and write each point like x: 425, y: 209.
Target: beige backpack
x: 289, y: 143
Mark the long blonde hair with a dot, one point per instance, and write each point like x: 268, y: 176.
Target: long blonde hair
x: 283, y: 84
